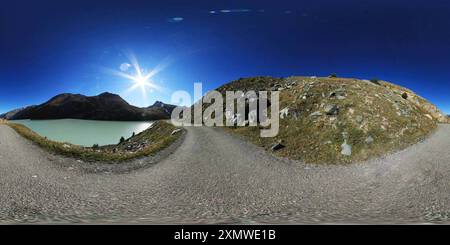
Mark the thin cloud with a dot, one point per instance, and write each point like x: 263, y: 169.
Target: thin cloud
x: 225, y: 11
x: 124, y: 66
x: 175, y: 19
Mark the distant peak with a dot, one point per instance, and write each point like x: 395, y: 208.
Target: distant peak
x: 107, y: 94
x: 159, y: 103
x: 63, y: 96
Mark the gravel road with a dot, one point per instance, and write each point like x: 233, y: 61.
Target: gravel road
x: 213, y: 177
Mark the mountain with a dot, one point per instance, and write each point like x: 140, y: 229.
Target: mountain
x: 158, y: 105
x: 340, y: 120
x: 105, y: 106
x: 11, y: 114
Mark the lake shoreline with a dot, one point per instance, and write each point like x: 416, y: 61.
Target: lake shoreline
x: 105, y: 167
x: 149, y: 142
x: 86, y: 133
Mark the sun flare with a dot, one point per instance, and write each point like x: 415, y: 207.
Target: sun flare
x: 139, y: 78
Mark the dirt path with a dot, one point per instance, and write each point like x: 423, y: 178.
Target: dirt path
x: 214, y: 177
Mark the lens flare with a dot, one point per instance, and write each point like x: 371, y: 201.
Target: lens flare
x: 139, y: 78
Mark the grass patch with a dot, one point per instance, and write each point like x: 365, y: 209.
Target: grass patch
x: 149, y: 142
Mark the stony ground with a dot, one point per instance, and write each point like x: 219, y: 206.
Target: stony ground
x: 213, y: 177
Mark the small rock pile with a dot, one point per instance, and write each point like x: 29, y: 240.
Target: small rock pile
x: 137, y: 146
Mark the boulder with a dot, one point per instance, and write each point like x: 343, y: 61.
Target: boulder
x: 253, y: 116
x: 369, y: 140
x: 331, y: 110
x: 339, y: 94
x: 359, y: 119
x: 175, y: 131
x: 284, y: 113
x: 277, y: 146
x: 316, y: 114
x: 346, y: 149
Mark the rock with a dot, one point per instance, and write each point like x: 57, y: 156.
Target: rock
x: 237, y: 120
x: 345, y: 135
x: 351, y: 111
x: 429, y: 116
x: 331, y: 109
x: 277, y: 146
x: 253, y: 116
x: 346, y: 149
x: 284, y: 113
x: 316, y: 114
x: 307, y: 87
x: 339, y: 94
x: 405, y: 95
x: 175, y: 131
x: 66, y: 146
x: 359, y: 119
x: 369, y: 140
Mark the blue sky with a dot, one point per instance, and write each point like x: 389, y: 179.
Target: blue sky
x: 50, y: 47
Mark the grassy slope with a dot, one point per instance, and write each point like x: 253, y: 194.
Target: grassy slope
x: 159, y: 135
x: 390, y: 120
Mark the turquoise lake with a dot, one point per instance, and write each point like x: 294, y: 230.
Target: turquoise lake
x: 85, y: 132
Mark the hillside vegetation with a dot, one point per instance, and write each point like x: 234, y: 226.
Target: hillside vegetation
x: 340, y: 120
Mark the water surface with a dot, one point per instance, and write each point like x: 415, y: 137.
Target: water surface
x: 85, y: 132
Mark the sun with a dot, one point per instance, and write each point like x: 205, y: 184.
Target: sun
x: 142, y: 82
x: 139, y: 78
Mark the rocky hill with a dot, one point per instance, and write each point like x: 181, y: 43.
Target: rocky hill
x: 338, y: 120
x: 105, y: 106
